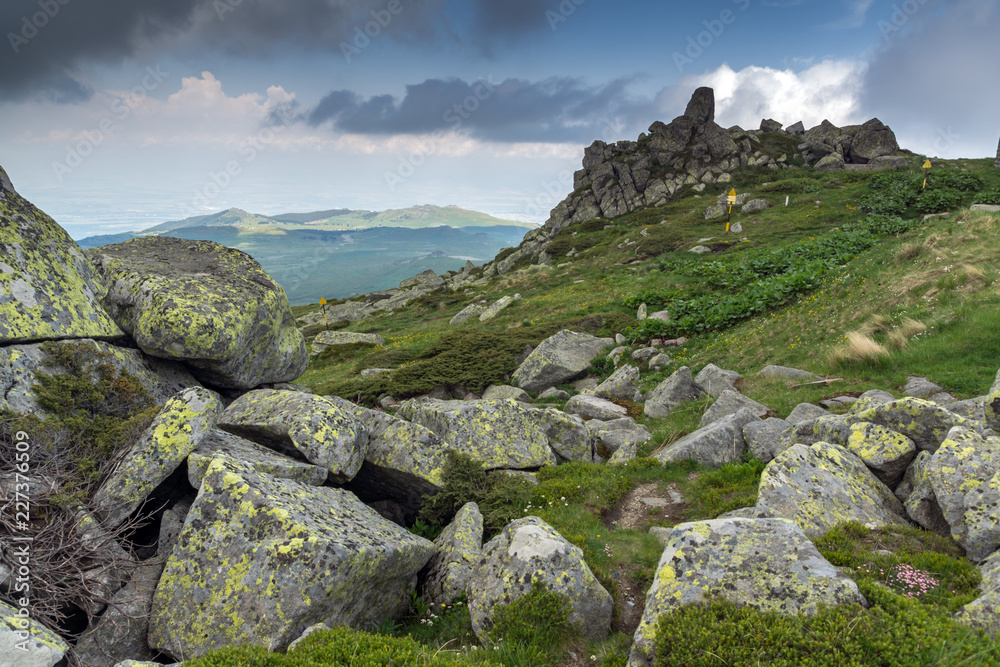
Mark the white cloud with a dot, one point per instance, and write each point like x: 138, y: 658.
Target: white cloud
x: 829, y: 90
x: 856, y: 17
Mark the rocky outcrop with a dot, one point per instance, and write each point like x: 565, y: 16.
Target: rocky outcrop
x: 48, y: 289
x: 258, y: 457
x: 530, y: 551
x: 254, y: 542
x: 767, y: 564
x: 458, y: 550
x: 201, y: 303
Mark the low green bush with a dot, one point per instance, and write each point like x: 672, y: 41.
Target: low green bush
x: 539, y: 620
x: 989, y: 197
x: 939, y: 200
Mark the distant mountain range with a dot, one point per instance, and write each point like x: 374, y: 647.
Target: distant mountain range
x: 339, y: 253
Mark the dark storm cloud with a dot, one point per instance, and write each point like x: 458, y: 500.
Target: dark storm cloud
x: 555, y: 110
x: 48, y: 42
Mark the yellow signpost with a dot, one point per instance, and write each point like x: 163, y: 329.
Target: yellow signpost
x: 927, y: 170
x: 732, y: 202
x: 322, y: 303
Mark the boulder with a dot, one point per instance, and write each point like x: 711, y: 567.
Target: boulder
x: 764, y: 437
x: 701, y: 108
x: 886, y: 453
x: 557, y: 394
x: 498, y: 434
x: 561, y: 358
x: 325, y: 339
x: 831, y: 162
x: 984, y: 611
x: 770, y: 125
x: 676, y: 389
x: 610, y: 437
x: 48, y: 289
x: 500, y: 392
x: 805, y: 412
x: 713, y: 380
x: 919, y: 387
x: 926, y: 423
x: 786, y: 373
x: 873, y: 140
x: 260, y: 559
x: 24, y: 642
x: 207, y: 305
x: 256, y: 456
x: 869, y: 400
x: 767, y: 564
x: 592, y: 407
x: 715, y: 445
x: 568, y: 436
x: 458, y: 549
x: 177, y: 430
x: 300, y: 425
x: 20, y: 365
x: 834, y: 429
x: 797, y: 129
x: 529, y: 551
x: 498, y: 307
x: 621, y: 385
x: 991, y: 405
x: 471, y: 311
x: 428, y: 280
x: 659, y: 362
x: 964, y: 476
x: 729, y: 403
x: 755, y: 205
x: 822, y: 485
x: 917, y: 495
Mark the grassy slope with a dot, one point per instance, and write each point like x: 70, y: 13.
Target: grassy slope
x: 941, y: 274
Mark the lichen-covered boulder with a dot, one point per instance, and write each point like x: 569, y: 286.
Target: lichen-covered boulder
x: 870, y: 399
x: 24, y: 642
x: 714, y: 445
x: 926, y: 423
x: 729, y: 403
x: 764, y: 437
x: 21, y: 364
x: 557, y: 359
x: 300, y: 424
x: 714, y: 380
x: 258, y: 457
x: 622, y: 385
x: 676, y: 389
x: 471, y: 311
x: 568, y: 435
x: 964, y: 475
x: 592, y: 407
x: 767, y: 564
x: 786, y: 373
x: 209, y: 306
x: 917, y: 495
x: 497, y: 392
x: 834, y: 429
x: 501, y: 305
x: 872, y: 140
x: 984, y: 611
x: 260, y: 559
x: 48, y: 288
x: 498, y: 434
x: 180, y: 426
x: 821, y: 485
x: 325, y: 339
x: 459, y: 547
x: 528, y: 551
x: 886, y: 453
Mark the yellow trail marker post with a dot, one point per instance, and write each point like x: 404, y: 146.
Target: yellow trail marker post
x: 927, y: 170
x: 732, y: 202
x: 322, y: 303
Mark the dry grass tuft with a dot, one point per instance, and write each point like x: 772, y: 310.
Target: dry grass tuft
x: 859, y: 349
x: 877, y: 324
x: 909, y: 252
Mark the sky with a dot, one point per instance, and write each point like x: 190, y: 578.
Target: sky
x: 119, y: 114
